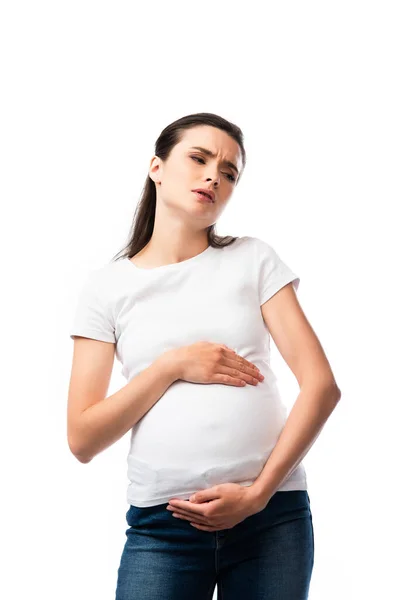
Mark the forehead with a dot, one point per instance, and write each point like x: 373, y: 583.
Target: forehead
x: 214, y: 139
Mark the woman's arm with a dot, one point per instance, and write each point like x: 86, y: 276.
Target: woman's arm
x: 95, y: 422
x: 319, y: 392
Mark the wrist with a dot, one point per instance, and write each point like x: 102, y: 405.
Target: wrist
x: 169, y: 363
x: 258, y: 499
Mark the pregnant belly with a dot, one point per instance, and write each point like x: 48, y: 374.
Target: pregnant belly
x: 209, y: 424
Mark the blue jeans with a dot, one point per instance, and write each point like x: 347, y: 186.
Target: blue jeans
x: 268, y: 556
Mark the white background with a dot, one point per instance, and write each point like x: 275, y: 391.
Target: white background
x: 86, y: 89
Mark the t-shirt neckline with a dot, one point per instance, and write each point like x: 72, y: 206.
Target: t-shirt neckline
x: 171, y: 266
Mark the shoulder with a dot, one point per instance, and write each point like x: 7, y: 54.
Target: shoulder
x: 252, y: 247
x: 242, y: 242
x: 255, y: 248
x: 260, y: 245
x: 103, y: 280
x: 107, y: 271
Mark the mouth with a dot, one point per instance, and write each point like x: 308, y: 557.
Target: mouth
x: 206, y: 195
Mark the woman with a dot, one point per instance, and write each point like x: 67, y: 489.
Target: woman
x: 215, y: 499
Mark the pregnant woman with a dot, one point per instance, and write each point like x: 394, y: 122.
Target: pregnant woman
x: 217, y: 491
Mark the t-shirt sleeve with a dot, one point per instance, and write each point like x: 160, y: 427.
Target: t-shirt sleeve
x: 272, y: 272
x: 93, y: 315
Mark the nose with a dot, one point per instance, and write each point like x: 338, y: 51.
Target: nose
x: 215, y: 181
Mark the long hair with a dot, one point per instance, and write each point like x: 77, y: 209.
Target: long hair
x: 143, y: 221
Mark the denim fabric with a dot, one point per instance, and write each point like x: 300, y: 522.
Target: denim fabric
x: 268, y: 556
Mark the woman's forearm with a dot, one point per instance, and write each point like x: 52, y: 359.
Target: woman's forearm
x: 305, y: 422
x: 107, y: 421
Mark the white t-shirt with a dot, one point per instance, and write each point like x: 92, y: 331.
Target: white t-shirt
x: 196, y: 435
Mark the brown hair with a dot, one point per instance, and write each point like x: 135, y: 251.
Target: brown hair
x: 143, y: 220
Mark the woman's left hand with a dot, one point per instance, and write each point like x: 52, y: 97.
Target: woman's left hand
x: 220, y: 507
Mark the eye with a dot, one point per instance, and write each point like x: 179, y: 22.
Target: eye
x: 230, y: 177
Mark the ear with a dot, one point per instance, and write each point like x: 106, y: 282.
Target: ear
x: 155, y: 169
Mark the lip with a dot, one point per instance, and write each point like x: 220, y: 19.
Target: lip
x: 206, y: 191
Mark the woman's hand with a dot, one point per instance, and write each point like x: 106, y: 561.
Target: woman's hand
x: 220, y: 507
x: 205, y: 362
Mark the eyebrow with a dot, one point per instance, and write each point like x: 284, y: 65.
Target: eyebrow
x: 209, y: 153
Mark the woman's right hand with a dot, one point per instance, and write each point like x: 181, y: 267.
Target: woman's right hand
x: 206, y: 362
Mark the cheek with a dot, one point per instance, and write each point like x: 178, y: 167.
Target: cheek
x: 185, y: 176
x: 178, y: 185
x: 175, y: 180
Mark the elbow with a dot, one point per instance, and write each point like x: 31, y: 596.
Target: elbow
x: 335, y: 392
x: 329, y: 387
x: 78, y: 452
x: 83, y: 459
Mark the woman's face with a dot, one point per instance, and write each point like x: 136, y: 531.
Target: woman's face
x: 188, y: 168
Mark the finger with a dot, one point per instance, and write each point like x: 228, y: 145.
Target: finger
x: 242, y: 367
x: 192, y: 519
x: 187, y: 506
x: 245, y: 362
x: 231, y: 355
x: 247, y: 367
x: 194, y: 514
x: 191, y: 516
x: 238, y: 374
x: 203, y: 527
